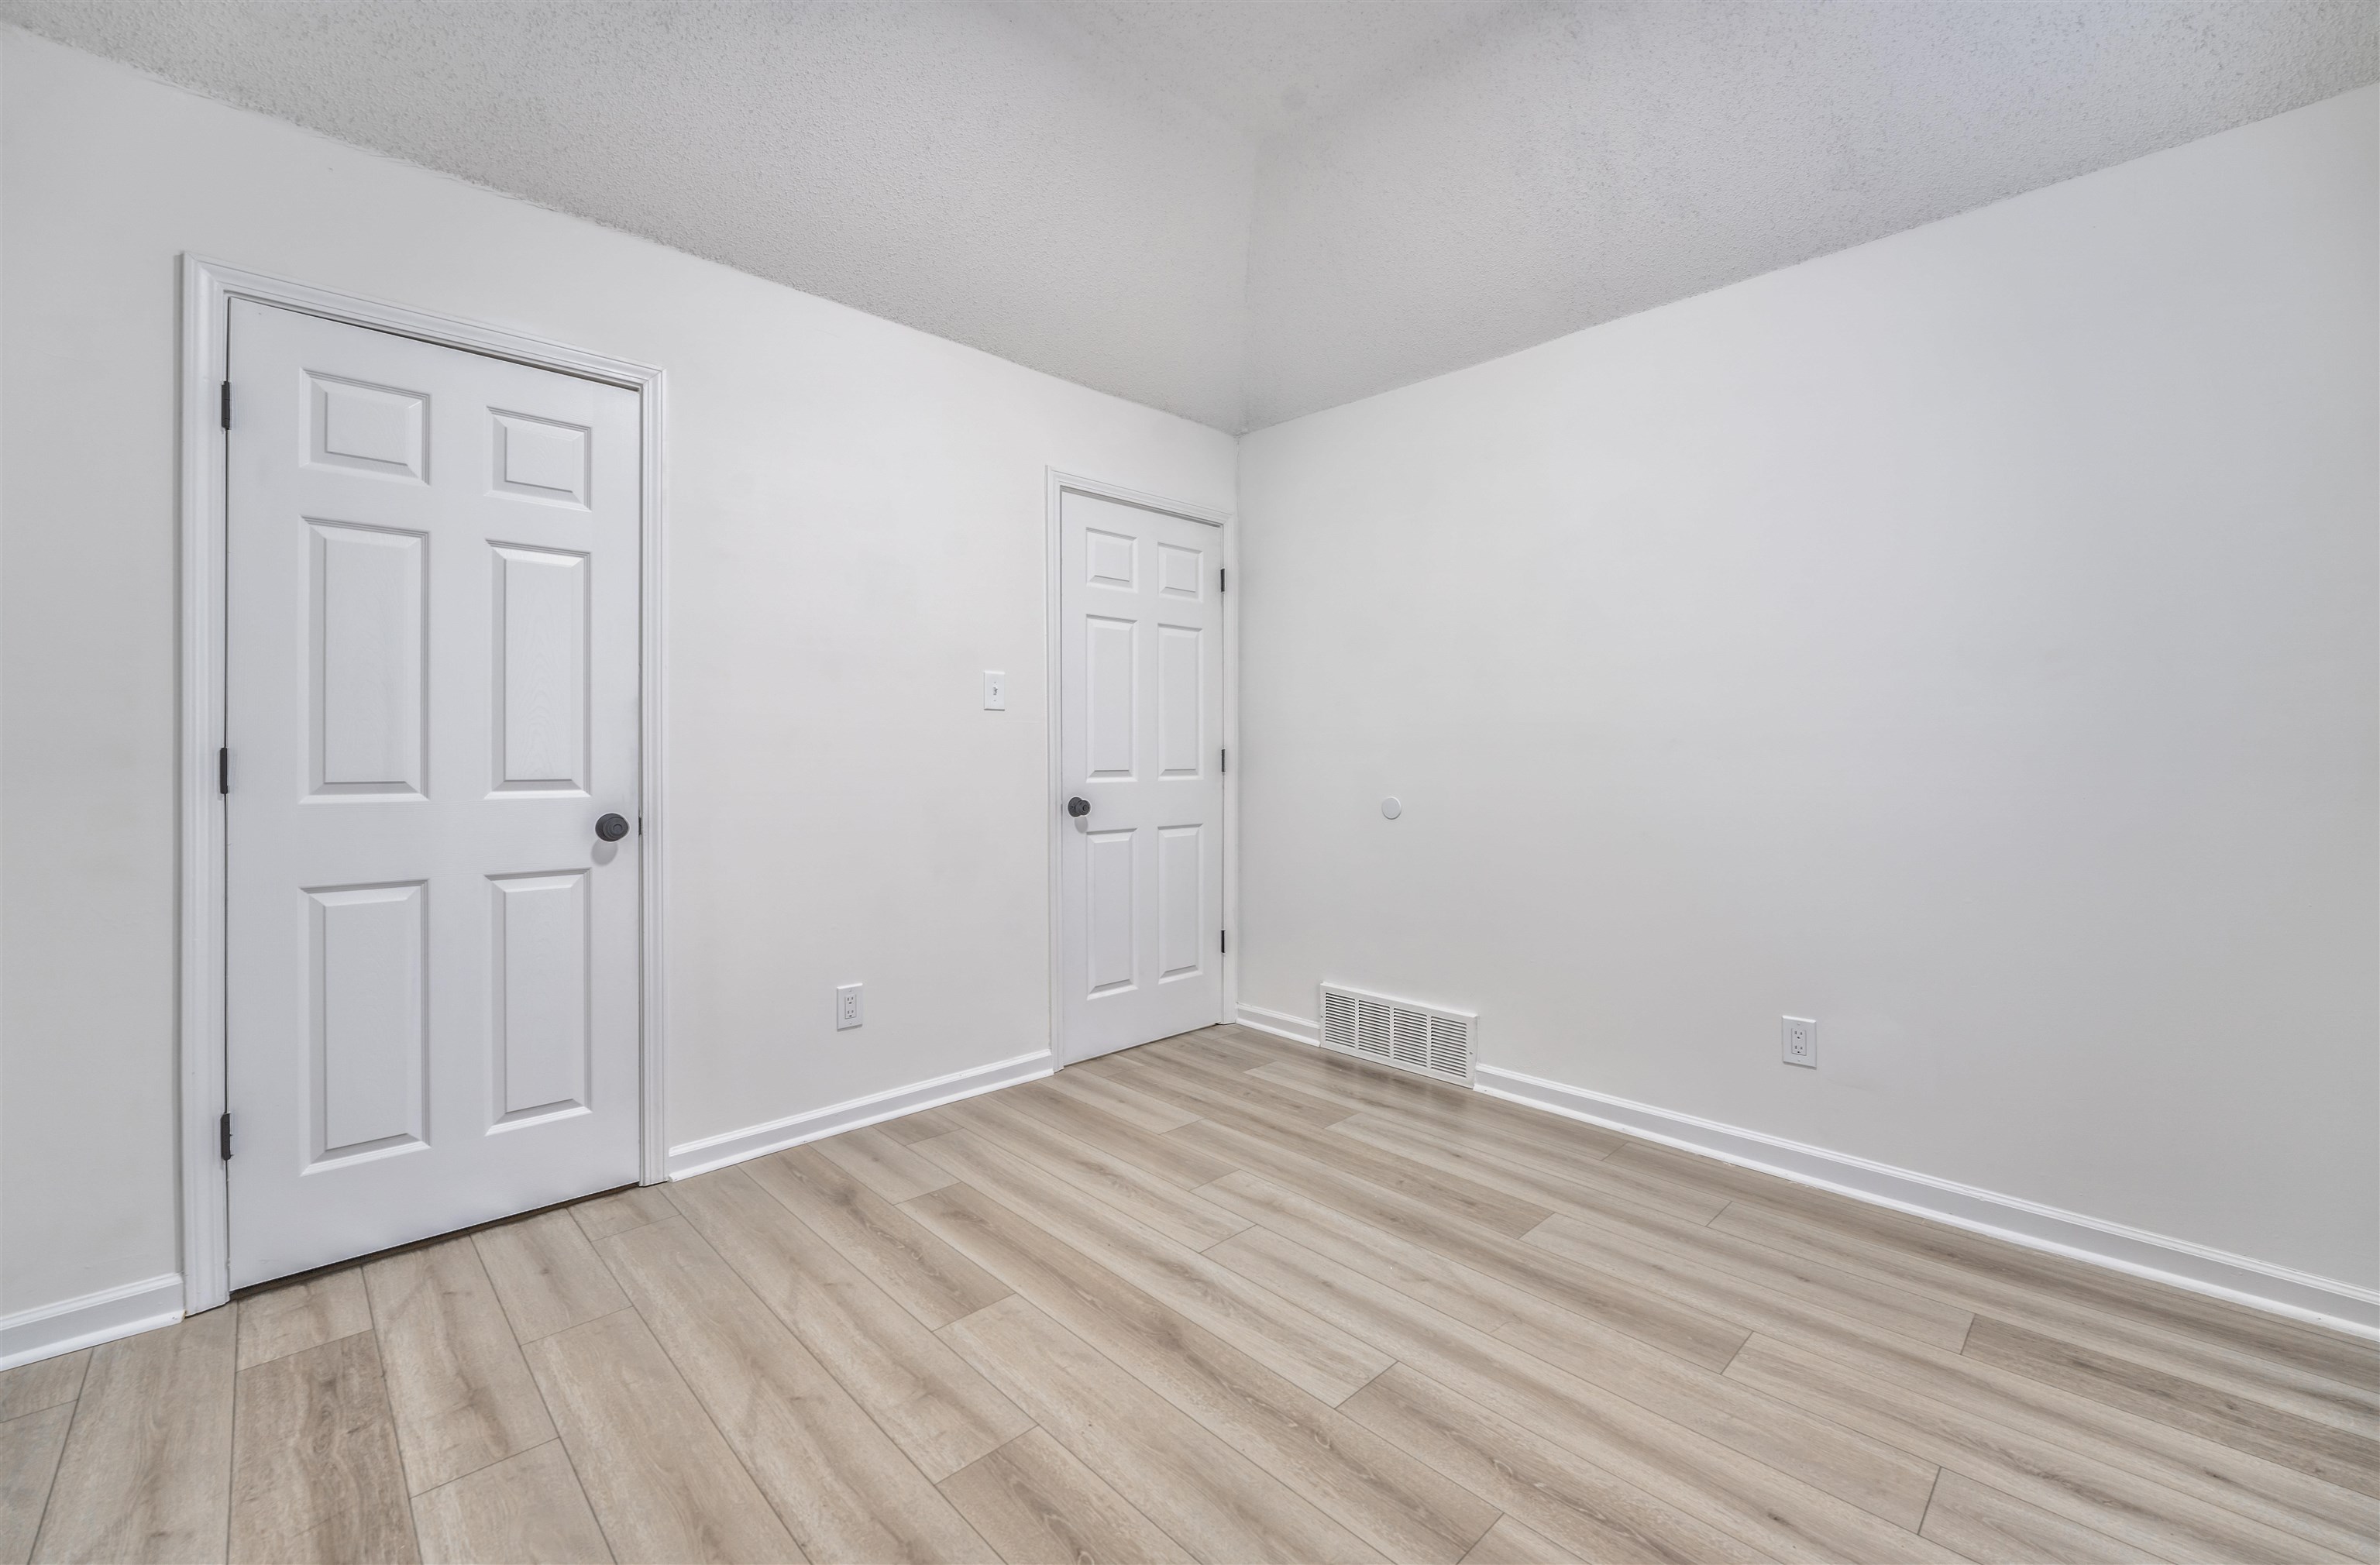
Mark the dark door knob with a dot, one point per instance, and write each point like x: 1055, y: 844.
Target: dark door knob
x: 611, y: 828
x: 1078, y: 807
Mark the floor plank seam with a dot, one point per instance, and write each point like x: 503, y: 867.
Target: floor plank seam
x: 2006, y: 1437
x: 1366, y: 1386
x: 581, y: 1479
x: 65, y: 1445
x: 857, y: 1393
x: 1732, y: 1446
x: 546, y: 1404
x: 743, y: 1464
x: 388, y: 1413
x: 2102, y: 1325
x: 231, y: 1464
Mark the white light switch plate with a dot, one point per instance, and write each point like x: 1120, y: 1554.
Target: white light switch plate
x: 1798, y: 1040
x: 846, y: 1007
x: 995, y: 691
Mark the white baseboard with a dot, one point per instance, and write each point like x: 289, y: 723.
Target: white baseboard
x: 2198, y: 1268
x: 736, y: 1146
x: 1297, y: 1029
x: 52, y: 1329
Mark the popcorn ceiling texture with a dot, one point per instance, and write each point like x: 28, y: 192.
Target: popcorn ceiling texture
x: 1593, y: 161
x: 950, y: 166
x: 1243, y: 212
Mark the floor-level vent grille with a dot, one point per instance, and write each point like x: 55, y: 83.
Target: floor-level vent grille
x: 1422, y: 1038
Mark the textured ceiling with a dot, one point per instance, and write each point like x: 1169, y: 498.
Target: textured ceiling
x: 974, y: 171
x: 1246, y: 209
x: 1586, y: 162
x: 1271, y: 67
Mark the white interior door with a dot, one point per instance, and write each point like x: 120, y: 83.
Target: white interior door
x: 432, y: 997
x: 1141, y: 726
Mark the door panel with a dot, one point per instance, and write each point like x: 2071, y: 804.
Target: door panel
x: 1110, y: 557
x: 541, y: 966
x: 1110, y: 674
x: 1177, y: 573
x: 367, y: 428
x: 1181, y: 703
x: 540, y: 678
x: 369, y: 976
x: 542, y: 458
x: 431, y: 693
x: 371, y: 612
x: 1110, y: 888
x: 1181, y: 902
x: 1140, y: 723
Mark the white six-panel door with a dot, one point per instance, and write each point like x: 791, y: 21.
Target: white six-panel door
x: 432, y: 998
x: 1141, y: 687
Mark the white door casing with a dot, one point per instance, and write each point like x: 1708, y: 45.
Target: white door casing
x: 1140, y: 718
x: 431, y: 647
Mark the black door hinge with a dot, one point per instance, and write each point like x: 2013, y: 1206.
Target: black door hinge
x: 1226, y: 760
x: 227, y: 405
x: 223, y: 1129
x: 1222, y: 579
x: 222, y: 771
x: 1225, y: 943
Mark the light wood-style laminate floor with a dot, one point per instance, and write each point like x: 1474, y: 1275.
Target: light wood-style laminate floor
x: 1222, y: 1299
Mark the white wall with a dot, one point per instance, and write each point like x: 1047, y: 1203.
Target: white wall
x: 856, y: 522
x: 1967, y: 639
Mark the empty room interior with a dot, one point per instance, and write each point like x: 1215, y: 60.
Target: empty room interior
x: 1449, y: 782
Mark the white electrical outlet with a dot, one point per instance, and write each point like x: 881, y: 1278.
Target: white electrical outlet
x: 995, y: 691
x: 846, y: 1007
x: 1798, y: 1041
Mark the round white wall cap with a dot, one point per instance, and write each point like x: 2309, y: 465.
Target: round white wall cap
x: 1393, y: 808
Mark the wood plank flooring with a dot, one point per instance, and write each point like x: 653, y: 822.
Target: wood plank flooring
x: 1216, y: 1299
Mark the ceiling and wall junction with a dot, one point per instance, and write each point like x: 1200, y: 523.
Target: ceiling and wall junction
x: 1243, y: 212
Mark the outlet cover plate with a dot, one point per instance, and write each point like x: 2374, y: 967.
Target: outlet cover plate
x: 1797, y: 1042
x: 847, y: 1012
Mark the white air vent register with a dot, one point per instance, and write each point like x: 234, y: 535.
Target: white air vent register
x: 1423, y: 1039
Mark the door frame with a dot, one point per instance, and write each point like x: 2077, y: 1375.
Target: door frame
x: 207, y: 288
x: 1060, y: 485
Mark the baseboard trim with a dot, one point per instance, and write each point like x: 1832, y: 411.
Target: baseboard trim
x: 738, y: 1146
x: 31, y: 1335
x: 1297, y: 1029
x: 2200, y: 1268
